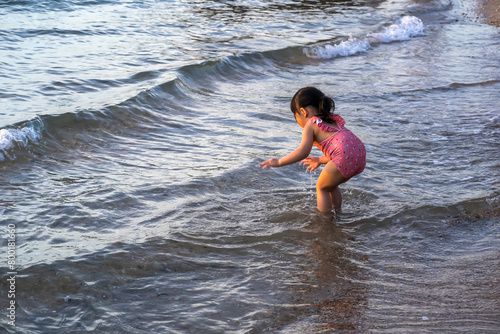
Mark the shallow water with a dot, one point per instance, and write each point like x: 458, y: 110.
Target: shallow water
x: 130, y: 137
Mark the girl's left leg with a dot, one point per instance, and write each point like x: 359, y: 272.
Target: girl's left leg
x: 336, y: 197
x: 327, y: 190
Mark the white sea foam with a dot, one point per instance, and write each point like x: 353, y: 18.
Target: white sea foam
x: 343, y: 49
x: 18, y: 137
x: 406, y: 28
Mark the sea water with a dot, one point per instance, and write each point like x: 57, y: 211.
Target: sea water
x: 130, y: 137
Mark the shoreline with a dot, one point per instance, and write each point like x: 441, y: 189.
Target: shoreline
x: 490, y: 11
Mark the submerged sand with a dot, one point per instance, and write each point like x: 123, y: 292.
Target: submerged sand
x: 490, y: 10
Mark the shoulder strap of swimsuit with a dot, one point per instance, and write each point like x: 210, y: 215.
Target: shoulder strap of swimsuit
x: 322, y: 126
x: 338, y: 120
x: 334, y: 118
x: 314, y: 119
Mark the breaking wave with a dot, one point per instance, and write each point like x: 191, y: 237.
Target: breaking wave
x: 406, y: 28
x: 20, y: 137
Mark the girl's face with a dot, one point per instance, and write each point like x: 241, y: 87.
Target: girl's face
x: 301, y: 119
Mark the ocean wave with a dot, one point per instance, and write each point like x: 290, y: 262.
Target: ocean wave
x: 20, y: 137
x: 406, y: 28
x: 191, y: 81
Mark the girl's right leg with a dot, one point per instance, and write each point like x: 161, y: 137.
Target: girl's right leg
x: 327, y: 191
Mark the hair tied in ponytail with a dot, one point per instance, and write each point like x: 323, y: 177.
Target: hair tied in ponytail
x: 311, y: 96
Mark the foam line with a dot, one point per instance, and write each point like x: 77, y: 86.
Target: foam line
x: 406, y: 28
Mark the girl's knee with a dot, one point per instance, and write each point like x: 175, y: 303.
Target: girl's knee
x: 325, y: 187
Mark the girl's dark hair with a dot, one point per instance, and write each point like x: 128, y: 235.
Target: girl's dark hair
x: 311, y: 96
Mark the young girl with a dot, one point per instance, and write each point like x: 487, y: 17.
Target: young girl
x: 345, y: 154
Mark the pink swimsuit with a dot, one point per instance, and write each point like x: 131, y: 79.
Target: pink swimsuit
x: 343, y: 148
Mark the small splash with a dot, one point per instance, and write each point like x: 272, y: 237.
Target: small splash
x: 345, y: 48
x: 406, y: 28
x: 19, y: 137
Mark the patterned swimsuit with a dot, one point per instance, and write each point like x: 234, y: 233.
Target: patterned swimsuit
x: 343, y: 148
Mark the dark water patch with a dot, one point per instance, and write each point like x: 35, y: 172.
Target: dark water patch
x: 50, y: 5
x: 473, y: 84
x: 146, y: 75
x: 203, y: 78
x: 14, y: 97
x: 68, y: 87
x: 31, y: 33
x: 441, y: 88
x: 59, y: 88
x: 242, y: 13
x: 461, y: 86
x: 475, y: 212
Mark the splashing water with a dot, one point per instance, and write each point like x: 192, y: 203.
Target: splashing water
x: 407, y: 27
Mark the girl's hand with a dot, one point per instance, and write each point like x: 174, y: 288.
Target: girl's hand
x: 313, y: 163
x: 270, y: 163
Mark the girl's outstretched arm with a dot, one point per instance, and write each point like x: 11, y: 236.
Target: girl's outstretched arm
x: 315, y: 162
x: 299, y: 154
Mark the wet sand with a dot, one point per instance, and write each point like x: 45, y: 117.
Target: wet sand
x: 490, y: 10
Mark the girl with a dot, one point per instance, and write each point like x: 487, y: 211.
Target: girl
x: 345, y: 154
